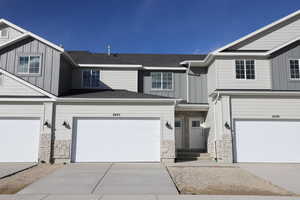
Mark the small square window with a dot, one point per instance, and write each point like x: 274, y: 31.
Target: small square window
x: 4, y: 33
x: 91, y: 78
x: 177, y: 123
x: 195, y: 123
x: 244, y: 69
x: 162, y: 80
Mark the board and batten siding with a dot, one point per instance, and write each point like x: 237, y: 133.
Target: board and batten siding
x: 198, y: 85
x: 11, y: 87
x: 12, y: 33
x: 226, y: 79
x: 265, y: 108
x: 274, y: 37
x: 48, y: 79
x: 281, y: 70
x: 179, y: 85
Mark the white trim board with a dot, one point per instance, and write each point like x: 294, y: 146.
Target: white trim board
x: 111, y: 65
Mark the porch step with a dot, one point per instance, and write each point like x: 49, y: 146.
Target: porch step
x: 193, y: 156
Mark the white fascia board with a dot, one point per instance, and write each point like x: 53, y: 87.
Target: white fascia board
x: 192, y: 107
x: 254, y: 93
x: 258, y: 31
x: 116, y: 100
x: 111, y: 65
x: 242, y: 54
x: 25, y: 99
x: 165, y: 68
x: 32, y: 35
x: 198, y: 63
x: 27, y: 84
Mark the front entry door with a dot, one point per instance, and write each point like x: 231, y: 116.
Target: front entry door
x: 197, y: 137
x: 178, y: 133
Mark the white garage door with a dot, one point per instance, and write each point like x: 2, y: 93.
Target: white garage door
x: 268, y: 141
x: 116, y: 140
x: 19, y: 140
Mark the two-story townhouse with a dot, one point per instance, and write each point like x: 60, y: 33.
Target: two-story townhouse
x: 239, y: 103
x: 253, y: 90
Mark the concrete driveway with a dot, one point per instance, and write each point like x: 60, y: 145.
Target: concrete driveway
x: 7, y: 169
x: 286, y: 176
x: 103, y: 179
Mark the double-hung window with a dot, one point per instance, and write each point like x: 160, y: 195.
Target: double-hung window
x: 245, y: 69
x: 294, y: 70
x: 91, y: 78
x: 29, y: 65
x: 162, y: 80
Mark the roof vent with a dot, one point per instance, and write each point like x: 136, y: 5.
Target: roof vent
x: 108, y: 50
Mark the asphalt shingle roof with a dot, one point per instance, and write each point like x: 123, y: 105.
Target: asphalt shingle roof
x: 94, y: 93
x: 160, y: 60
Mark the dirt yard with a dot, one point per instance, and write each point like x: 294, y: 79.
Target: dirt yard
x: 222, y: 181
x: 17, y: 182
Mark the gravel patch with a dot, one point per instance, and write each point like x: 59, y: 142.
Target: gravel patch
x: 222, y: 181
x: 17, y: 182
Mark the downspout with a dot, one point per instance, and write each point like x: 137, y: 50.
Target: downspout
x: 215, y: 126
x: 187, y: 83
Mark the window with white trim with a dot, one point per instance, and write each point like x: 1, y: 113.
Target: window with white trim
x: 90, y: 78
x: 162, y: 80
x: 4, y: 33
x: 245, y: 69
x: 294, y: 69
x: 29, y: 65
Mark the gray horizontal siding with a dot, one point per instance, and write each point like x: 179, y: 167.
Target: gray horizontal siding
x: 281, y: 69
x: 49, y: 77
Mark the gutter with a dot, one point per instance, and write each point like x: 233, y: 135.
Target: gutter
x: 187, y: 83
x: 255, y: 93
x: 117, y: 100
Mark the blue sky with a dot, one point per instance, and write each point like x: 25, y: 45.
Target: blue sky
x: 144, y: 26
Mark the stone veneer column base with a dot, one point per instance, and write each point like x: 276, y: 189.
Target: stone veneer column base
x: 224, y: 149
x: 45, y: 148
x: 62, y: 152
x: 167, y: 150
x: 167, y: 160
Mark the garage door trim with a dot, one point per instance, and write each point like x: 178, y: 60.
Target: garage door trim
x: 234, y: 135
x: 76, y: 118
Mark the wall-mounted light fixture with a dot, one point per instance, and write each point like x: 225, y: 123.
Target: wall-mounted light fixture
x: 168, y: 125
x: 47, y: 124
x: 66, y: 124
x: 227, y: 125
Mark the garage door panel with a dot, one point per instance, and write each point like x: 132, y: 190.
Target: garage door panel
x: 267, y: 141
x: 117, y: 140
x: 19, y: 140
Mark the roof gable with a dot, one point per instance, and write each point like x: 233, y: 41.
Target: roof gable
x: 268, y: 37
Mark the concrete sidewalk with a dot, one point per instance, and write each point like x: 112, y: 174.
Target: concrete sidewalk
x: 142, y: 197
x: 7, y: 169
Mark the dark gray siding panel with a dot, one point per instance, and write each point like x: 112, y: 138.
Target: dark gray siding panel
x: 198, y: 85
x: 281, y: 69
x: 48, y: 79
x: 65, y: 75
x: 179, y: 85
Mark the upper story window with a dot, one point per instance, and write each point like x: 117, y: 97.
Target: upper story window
x: 91, y: 78
x: 4, y: 33
x: 294, y: 69
x: 29, y: 65
x: 162, y: 80
x: 244, y: 69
